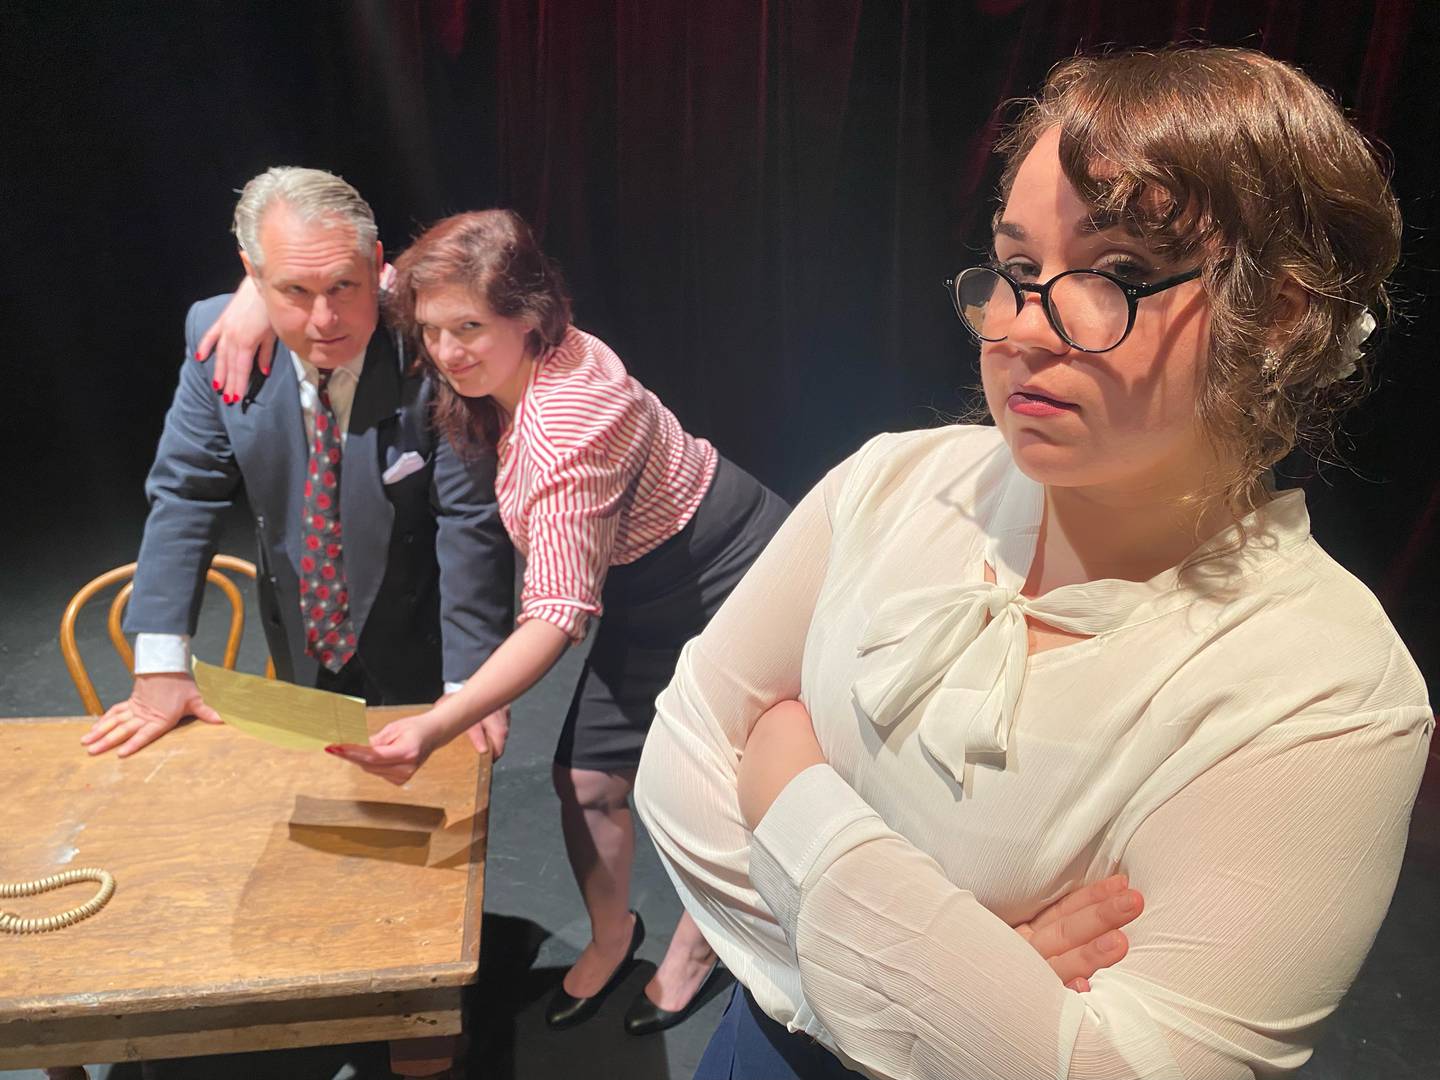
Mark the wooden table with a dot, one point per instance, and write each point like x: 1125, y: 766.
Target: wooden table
x: 232, y: 929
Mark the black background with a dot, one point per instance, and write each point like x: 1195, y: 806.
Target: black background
x: 755, y: 205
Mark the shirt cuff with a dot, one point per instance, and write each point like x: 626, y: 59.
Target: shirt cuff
x: 157, y: 654
x: 451, y: 687
x: 570, y: 618
x: 812, y: 822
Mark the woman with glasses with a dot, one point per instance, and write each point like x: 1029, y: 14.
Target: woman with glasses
x: 980, y: 666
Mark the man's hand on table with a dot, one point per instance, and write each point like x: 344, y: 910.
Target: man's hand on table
x: 156, y: 704
x: 1077, y: 935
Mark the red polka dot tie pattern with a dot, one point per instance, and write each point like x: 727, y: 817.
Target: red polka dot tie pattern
x: 324, y: 599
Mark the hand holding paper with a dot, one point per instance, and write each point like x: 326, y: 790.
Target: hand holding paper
x: 282, y: 713
x: 397, y: 750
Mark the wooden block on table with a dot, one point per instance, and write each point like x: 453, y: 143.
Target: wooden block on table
x: 316, y: 813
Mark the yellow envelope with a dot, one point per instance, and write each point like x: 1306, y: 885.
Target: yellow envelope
x: 295, y: 717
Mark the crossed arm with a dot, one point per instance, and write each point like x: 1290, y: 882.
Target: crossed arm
x: 1077, y: 936
x: 1263, y: 890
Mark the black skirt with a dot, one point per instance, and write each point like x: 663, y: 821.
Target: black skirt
x: 652, y: 607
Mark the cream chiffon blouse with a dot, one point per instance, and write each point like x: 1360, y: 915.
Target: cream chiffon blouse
x: 1245, y: 740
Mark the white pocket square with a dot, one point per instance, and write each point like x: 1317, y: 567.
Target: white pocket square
x: 405, y: 464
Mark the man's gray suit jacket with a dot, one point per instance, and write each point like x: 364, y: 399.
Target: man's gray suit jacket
x: 427, y: 562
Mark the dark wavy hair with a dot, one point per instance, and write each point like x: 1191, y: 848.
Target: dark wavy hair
x: 494, y: 255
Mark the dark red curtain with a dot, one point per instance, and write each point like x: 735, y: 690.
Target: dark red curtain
x: 761, y: 198
x: 757, y: 202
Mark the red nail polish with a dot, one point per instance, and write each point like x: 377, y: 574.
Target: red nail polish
x: 198, y: 356
x: 216, y: 385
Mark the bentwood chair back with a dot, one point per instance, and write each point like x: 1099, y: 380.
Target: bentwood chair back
x: 71, y: 651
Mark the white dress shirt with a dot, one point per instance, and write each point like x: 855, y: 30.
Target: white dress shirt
x: 157, y: 653
x: 1244, y: 739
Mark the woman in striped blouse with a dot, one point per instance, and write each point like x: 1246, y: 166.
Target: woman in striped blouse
x: 618, y: 511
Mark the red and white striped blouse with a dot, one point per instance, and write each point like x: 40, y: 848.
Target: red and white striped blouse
x: 594, y: 472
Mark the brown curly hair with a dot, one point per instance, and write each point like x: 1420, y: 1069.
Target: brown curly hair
x: 493, y: 254
x: 1239, y: 161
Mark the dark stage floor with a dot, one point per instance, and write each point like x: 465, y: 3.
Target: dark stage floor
x: 1388, y: 1027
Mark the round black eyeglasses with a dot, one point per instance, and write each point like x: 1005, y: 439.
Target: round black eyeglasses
x: 1091, y: 310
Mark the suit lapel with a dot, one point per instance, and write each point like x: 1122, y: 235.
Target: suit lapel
x: 366, y: 514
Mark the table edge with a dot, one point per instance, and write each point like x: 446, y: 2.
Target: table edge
x: 461, y: 972
x: 395, y: 980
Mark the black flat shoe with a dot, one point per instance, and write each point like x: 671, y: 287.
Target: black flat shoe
x: 566, y: 1011
x: 644, y: 1017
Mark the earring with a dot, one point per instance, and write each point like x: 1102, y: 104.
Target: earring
x: 1270, y: 362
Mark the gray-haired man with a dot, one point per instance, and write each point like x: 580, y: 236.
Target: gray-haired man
x: 384, y: 570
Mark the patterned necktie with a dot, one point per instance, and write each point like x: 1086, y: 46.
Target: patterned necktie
x: 324, y: 599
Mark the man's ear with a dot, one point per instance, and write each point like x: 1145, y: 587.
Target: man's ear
x: 250, y: 270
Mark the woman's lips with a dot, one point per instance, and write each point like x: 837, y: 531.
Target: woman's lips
x: 1030, y: 403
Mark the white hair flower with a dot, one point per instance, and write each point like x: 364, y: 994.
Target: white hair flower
x: 1355, y: 337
